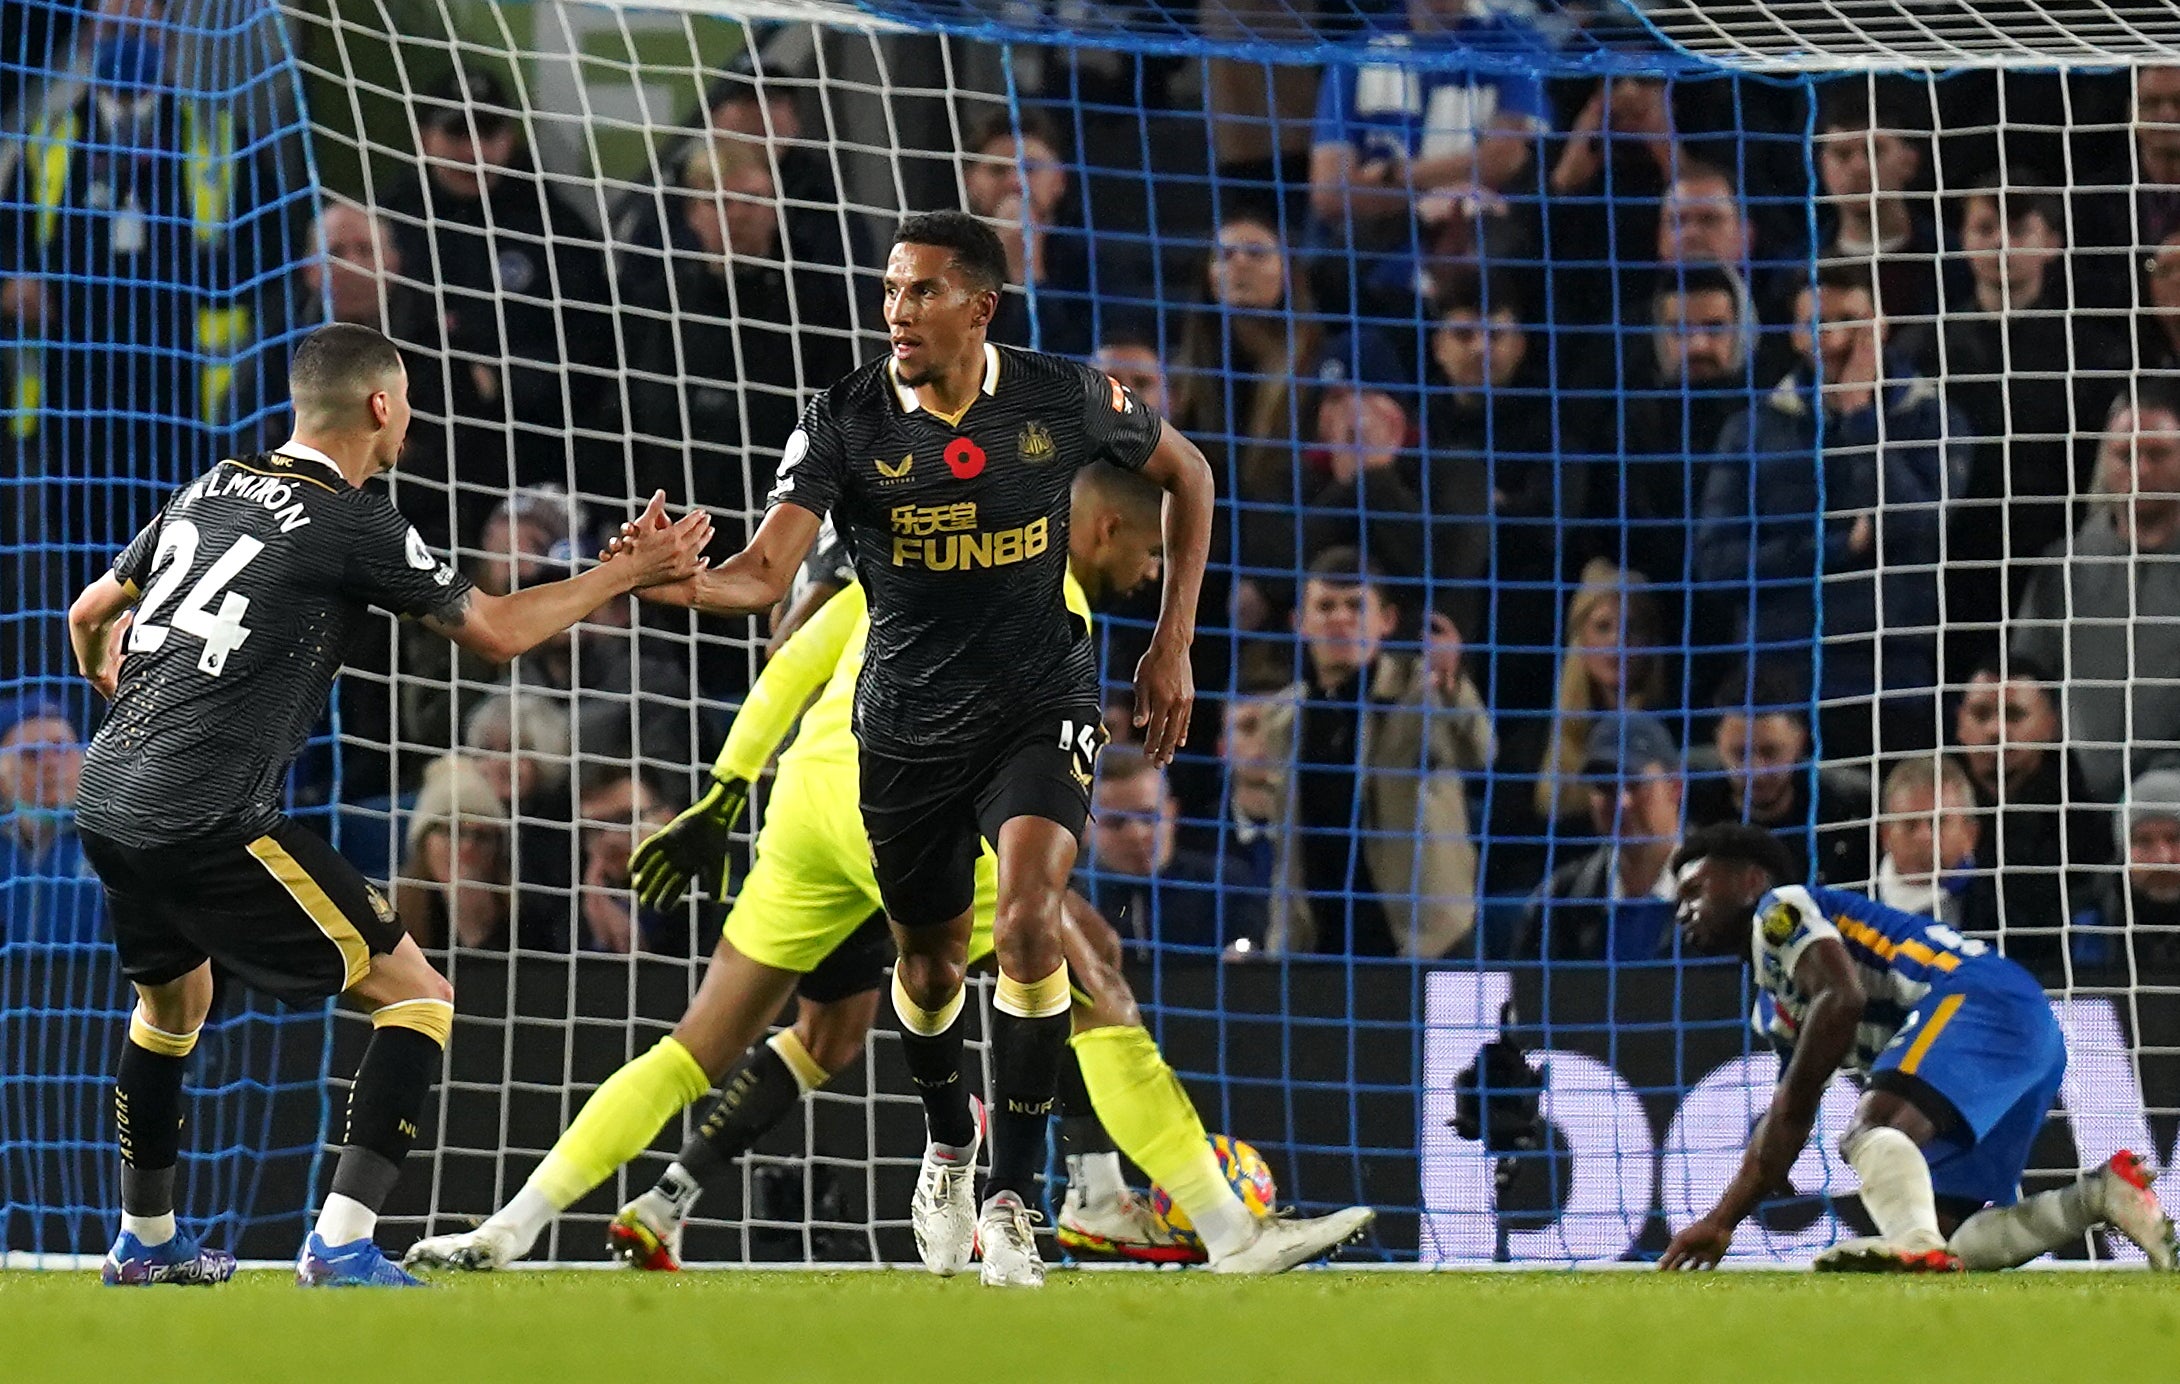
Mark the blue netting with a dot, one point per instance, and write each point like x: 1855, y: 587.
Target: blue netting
x: 150, y: 219
x: 1614, y: 36
x: 1447, y: 307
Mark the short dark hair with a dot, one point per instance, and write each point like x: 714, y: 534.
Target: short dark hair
x: 1842, y: 276
x: 2145, y: 393
x: 1124, y: 331
x: 740, y: 89
x: 1696, y: 276
x: 466, y: 98
x: 1344, y: 564
x: 1128, y: 492
x: 1693, y: 170
x: 1740, y: 844
x: 1858, y: 103
x: 1124, y: 763
x: 1253, y: 681
x: 975, y: 246
x: 1759, y: 692
x: 340, y: 364
x: 1012, y: 126
x: 1482, y: 294
x: 2012, y: 667
x: 1248, y: 208
x: 2025, y: 194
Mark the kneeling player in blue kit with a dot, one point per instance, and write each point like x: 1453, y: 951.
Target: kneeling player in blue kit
x: 1963, y: 1060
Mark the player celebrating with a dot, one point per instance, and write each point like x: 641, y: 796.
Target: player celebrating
x: 798, y: 922
x: 245, y: 590
x: 1963, y: 1058
x: 946, y: 466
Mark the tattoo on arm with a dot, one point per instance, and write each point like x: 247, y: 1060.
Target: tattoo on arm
x: 450, y: 617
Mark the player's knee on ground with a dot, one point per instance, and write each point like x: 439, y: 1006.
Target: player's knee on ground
x: 833, y: 1033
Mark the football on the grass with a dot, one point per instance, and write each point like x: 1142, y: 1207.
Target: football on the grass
x: 1245, y: 1172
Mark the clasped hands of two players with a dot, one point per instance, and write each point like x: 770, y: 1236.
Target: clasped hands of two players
x: 662, y: 553
x: 671, y: 559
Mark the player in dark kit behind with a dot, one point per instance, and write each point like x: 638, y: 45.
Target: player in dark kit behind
x: 217, y: 637
x: 947, y: 469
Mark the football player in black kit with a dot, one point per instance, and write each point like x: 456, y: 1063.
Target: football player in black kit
x: 947, y: 466
x: 217, y: 636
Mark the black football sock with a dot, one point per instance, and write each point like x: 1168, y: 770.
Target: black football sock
x: 934, y: 1066
x: 385, y: 1108
x: 931, y: 1043
x: 756, y: 1095
x: 1025, y: 1072
x: 148, y: 1120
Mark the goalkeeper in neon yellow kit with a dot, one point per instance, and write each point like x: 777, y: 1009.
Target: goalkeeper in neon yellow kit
x: 808, y: 918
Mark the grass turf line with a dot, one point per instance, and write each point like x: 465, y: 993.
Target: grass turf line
x: 877, y: 1328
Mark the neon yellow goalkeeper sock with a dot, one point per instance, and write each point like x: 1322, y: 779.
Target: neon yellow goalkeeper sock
x: 1151, y: 1118
x: 619, y: 1121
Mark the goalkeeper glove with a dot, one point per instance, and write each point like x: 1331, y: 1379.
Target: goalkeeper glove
x: 692, y: 846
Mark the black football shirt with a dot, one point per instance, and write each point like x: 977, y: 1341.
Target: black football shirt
x: 253, y: 581
x: 959, y: 534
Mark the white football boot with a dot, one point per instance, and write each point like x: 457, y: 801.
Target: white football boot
x: 1282, y: 1242
x: 479, y: 1251
x: 1008, y: 1244
x: 1875, y: 1254
x: 646, y: 1234
x: 943, y: 1210
x: 1122, y: 1228
x: 2131, y: 1208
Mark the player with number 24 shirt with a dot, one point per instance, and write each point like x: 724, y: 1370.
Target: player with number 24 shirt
x: 217, y: 635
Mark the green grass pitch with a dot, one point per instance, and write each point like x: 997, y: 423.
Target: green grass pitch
x: 901, y: 1328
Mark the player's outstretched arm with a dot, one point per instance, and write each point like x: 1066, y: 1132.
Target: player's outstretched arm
x: 95, y: 625
x: 1165, y: 684
x: 503, y: 628
x: 1827, y: 975
x: 754, y: 579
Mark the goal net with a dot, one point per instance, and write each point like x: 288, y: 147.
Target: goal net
x: 1625, y: 418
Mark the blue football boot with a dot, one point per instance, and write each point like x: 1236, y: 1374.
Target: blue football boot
x: 133, y: 1264
x: 359, y: 1264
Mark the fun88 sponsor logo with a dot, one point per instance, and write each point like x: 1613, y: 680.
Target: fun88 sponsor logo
x: 1646, y: 1124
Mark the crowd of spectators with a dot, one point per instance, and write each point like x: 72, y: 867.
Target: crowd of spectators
x: 1894, y: 474
x: 1582, y: 480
